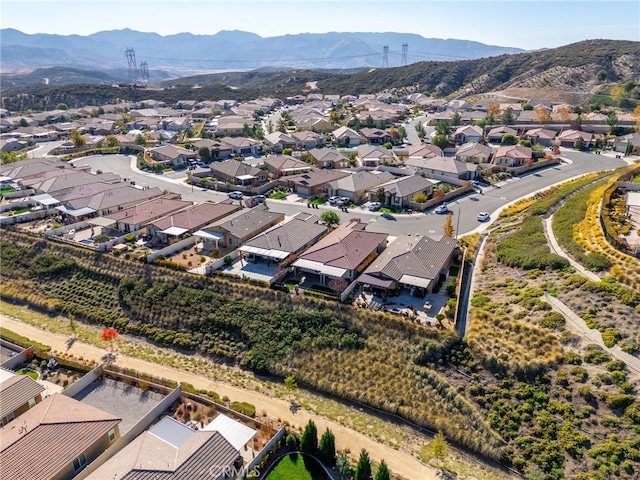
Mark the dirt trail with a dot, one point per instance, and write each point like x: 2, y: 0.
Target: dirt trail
x: 400, y: 463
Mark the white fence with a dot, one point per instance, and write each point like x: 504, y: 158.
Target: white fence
x: 86, y: 380
x: 348, y: 290
x: 173, y: 248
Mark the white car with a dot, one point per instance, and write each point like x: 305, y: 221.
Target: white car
x: 483, y: 216
x: 444, y: 208
x: 374, y: 206
x: 236, y: 195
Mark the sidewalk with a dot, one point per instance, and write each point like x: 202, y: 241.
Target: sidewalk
x: 399, y: 462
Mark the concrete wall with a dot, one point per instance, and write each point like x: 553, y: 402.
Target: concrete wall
x: 173, y: 248
x: 137, y: 429
x: 23, y: 217
x: 218, y: 264
x: 86, y: 380
x: 18, y: 359
x: 348, y: 290
x: 57, y: 232
x: 272, y: 443
x: 447, y: 196
x: 540, y: 164
x: 19, y: 193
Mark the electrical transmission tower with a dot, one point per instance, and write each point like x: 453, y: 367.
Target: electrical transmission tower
x: 385, y: 56
x: 405, y: 50
x: 144, y: 72
x: 130, y: 53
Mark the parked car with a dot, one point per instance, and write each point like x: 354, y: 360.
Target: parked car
x: 483, y: 216
x: 260, y: 198
x: 343, y: 201
x: 236, y: 195
x: 333, y: 200
x: 441, y: 209
x: 374, y: 206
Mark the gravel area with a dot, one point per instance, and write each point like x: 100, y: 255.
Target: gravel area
x: 124, y: 401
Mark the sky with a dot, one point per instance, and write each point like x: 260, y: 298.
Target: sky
x: 512, y: 23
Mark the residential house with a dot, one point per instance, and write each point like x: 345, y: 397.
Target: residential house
x: 55, y: 439
x: 512, y: 156
x: 540, y: 136
x: 307, y: 140
x: 12, y: 145
x: 474, y: 152
x: 104, y: 198
x: 278, y: 141
x: 627, y: 144
x: 184, y: 105
x: 232, y: 125
x: 285, y: 239
x: 171, y: 450
x: 312, y: 183
x: 425, y: 150
x: 375, y: 136
x: 376, y: 155
x: 356, y: 185
x: 189, y: 220
x: 284, y: 165
x: 342, y: 254
x: 446, y: 115
x: 495, y: 134
x: 237, y: 228
x: 329, y: 158
x: 58, y: 183
x: 455, y: 105
x: 468, y: 133
x: 399, y: 192
x: 443, y: 168
x: 175, y: 124
x: 569, y: 138
x: 410, y: 262
x: 238, y: 173
x: 172, y: 155
x: 138, y: 216
x: 218, y: 149
x: 346, y: 137
x: 242, y: 146
x: 18, y: 393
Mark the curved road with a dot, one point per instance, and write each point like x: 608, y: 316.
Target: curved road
x: 465, y: 209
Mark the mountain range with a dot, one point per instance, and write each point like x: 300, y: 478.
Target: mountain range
x: 187, y: 53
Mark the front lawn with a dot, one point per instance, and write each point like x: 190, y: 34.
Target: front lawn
x: 278, y: 196
x: 6, y: 190
x: 29, y: 373
x: 297, y: 467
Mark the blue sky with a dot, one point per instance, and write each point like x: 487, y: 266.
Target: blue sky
x: 514, y: 23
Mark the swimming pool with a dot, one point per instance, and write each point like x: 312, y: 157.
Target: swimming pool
x: 86, y: 241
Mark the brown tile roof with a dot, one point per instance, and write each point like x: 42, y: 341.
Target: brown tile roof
x: 316, y: 177
x: 16, y: 391
x: 346, y: 247
x: 150, y: 210
x: 48, y: 437
x: 246, y: 223
x: 196, y: 216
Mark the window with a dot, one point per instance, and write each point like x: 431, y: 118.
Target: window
x: 32, y: 402
x: 79, y: 463
x: 112, y: 434
x: 10, y: 417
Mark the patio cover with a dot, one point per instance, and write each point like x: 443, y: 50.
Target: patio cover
x: 245, y: 177
x: 236, y: 433
x: 101, y: 222
x: 374, y: 281
x: 415, y: 281
x: 215, y: 236
x: 174, y: 231
x: 317, y: 267
x: 279, y: 254
x: 76, y: 213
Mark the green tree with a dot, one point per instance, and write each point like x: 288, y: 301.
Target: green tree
x: 205, y: 154
x: 287, y: 151
x: 443, y: 127
x: 23, y: 122
x: 330, y: 218
x: 270, y: 127
x: 327, y: 448
x: 580, y: 143
x: 507, y: 117
x: 388, y: 145
x: 140, y: 140
x: 441, y: 141
x: 258, y: 132
x: 247, y: 131
x: 381, y: 124
x: 439, y: 447
x: 601, y: 76
x: 62, y: 106
x: 381, y: 195
x: 309, y: 441
x: 111, y: 141
x: 383, y: 472
x: 369, y: 121
x: 456, y: 119
x: 355, y: 123
x: 77, y: 139
x: 290, y: 384
x: 617, y: 93
x: 363, y: 469
x: 527, y: 106
x: 402, y: 132
x: 334, y: 118
x: 508, y: 139
x: 448, y: 229
x: 420, y: 131
x: 343, y: 467
x: 612, y: 121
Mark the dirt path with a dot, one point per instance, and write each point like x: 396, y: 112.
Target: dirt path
x: 400, y: 463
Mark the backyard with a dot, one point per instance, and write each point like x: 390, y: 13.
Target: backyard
x: 297, y: 467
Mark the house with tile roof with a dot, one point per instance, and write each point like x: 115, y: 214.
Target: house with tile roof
x: 242, y: 145
x: 443, y: 168
x: 474, y: 152
x: 540, y: 136
x: 284, y: 165
x: 399, y: 193
x: 346, y: 137
x: 307, y: 140
x: 356, y: 185
x: 467, y: 133
x: 329, y: 158
x: 18, y: 393
x: 376, y: 155
x: 512, y: 156
x: 235, y: 229
x: 238, y: 173
x: 278, y: 141
x: 172, y: 451
x: 138, y: 216
x: 172, y: 155
x: 569, y: 138
x: 410, y: 262
x: 285, y: 239
x: 105, y: 198
x: 312, y: 183
x: 375, y: 136
x: 495, y: 134
x: 425, y: 150
x: 55, y: 439
x: 342, y: 254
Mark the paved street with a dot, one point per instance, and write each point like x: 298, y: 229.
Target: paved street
x: 465, y: 209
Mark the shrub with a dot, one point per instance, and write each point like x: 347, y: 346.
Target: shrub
x: 596, y: 355
x: 580, y: 374
x: 572, y: 358
x: 245, y: 408
x: 611, y: 336
x: 552, y: 320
